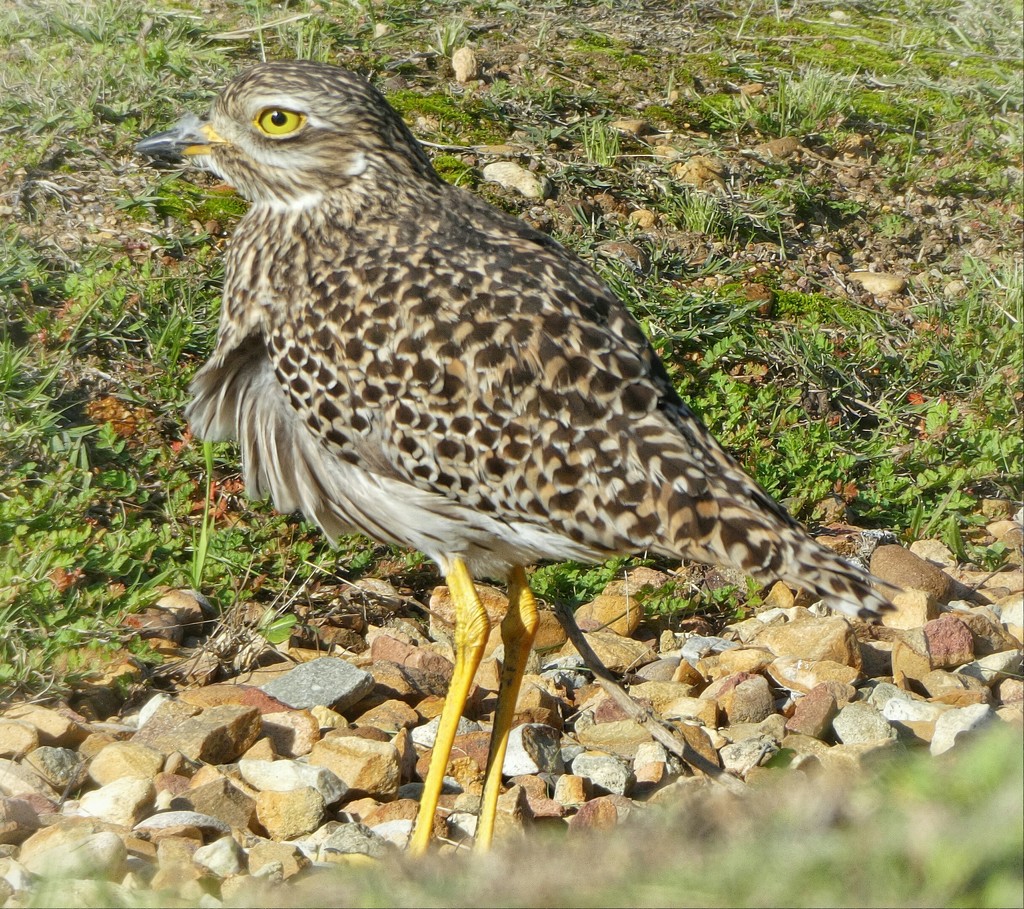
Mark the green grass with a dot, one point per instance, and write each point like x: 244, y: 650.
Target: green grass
x: 110, y: 272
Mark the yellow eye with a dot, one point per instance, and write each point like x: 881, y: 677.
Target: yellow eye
x: 276, y: 121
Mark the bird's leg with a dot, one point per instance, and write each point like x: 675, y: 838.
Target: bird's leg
x: 471, y: 630
x: 517, y: 632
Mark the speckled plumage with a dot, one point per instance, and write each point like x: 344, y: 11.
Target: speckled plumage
x: 397, y: 357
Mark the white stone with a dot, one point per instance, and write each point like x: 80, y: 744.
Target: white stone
x: 462, y: 822
x: 954, y: 722
x: 286, y: 775
x: 906, y: 710
x: 122, y: 802
x: 96, y: 856
x: 533, y: 748
x: 223, y: 857
x: 512, y: 176
x: 990, y: 669
x: 860, y: 723
x: 16, y: 874
x: 650, y: 753
x: 604, y: 771
x: 465, y: 65
x: 740, y: 758
x: 879, y: 282
x: 398, y: 831
x: 426, y: 735
x: 148, y: 709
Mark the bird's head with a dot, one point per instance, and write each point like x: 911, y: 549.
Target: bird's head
x: 288, y: 134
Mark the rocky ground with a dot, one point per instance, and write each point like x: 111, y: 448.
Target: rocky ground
x: 814, y: 209
x: 213, y: 793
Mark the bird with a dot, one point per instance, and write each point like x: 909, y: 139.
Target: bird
x: 397, y: 357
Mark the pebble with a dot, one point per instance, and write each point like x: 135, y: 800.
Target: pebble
x: 911, y: 710
x: 16, y: 780
x: 957, y: 722
x: 222, y: 857
x: 633, y: 127
x: 619, y: 654
x: 465, y: 65
x: 62, y: 768
x: 123, y: 801
x: 75, y: 854
x: 913, y: 609
x: 17, y: 738
x: 290, y: 814
x: 220, y: 798
x: 426, y: 735
x: 860, y: 723
x: 891, y: 562
x: 728, y: 662
x: 168, y: 819
x: 620, y: 614
x: 285, y: 775
x: 18, y: 820
x: 643, y: 218
x: 513, y: 176
x: 879, y: 283
x: 125, y: 759
x: 949, y: 642
x: 601, y: 813
x: 605, y: 772
x: 369, y: 768
x: 750, y: 700
x: 618, y: 737
x: 989, y: 636
x: 823, y: 639
x: 216, y: 735
x: 327, y: 681
x: 697, y: 647
x: 995, y: 666
x: 53, y: 727
x: 701, y: 171
x: 813, y: 713
x: 352, y: 839
x: 292, y: 733
x: 910, y: 658
x: 934, y: 551
x: 881, y: 693
x: 739, y: 758
x: 803, y: 676
x: 283, y: 770
x: 533, y: 748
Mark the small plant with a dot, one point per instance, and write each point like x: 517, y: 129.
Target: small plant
x: 449, y: 36
x: 601, y: 143
x: 701, y: 213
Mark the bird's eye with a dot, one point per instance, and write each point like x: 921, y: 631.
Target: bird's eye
x: 276, y: 121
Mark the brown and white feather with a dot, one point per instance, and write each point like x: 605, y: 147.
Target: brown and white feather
x: 399, y: 358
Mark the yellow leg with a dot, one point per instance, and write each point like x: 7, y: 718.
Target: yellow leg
x: 471, y: 630
x: 517, y: 631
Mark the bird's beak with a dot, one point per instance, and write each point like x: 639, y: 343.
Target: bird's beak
x: 189, y: 136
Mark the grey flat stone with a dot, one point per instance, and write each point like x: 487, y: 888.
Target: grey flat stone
x: 699, y: 646
x: 324, y: 682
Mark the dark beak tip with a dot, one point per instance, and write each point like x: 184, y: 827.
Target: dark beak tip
x: 170, y: 144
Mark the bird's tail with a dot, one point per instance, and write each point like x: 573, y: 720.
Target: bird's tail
x: 726, y: 518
